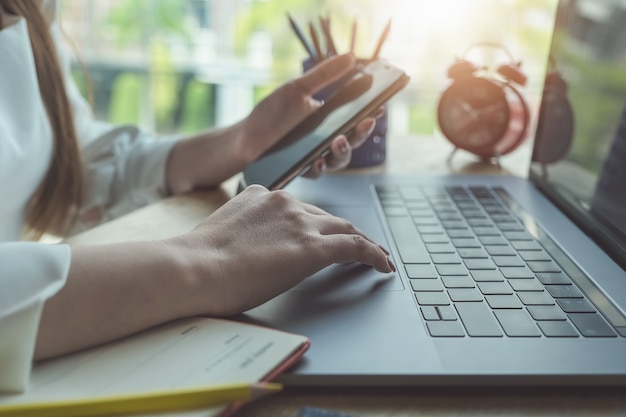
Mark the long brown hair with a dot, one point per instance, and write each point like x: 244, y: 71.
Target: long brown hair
x: 54, y: 206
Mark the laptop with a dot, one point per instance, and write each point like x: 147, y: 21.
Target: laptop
x: 501, y: 280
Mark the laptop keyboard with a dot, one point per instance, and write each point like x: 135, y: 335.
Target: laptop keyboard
x: 475, y: 270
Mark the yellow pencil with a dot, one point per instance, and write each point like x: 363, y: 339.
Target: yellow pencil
x: 151, y: 402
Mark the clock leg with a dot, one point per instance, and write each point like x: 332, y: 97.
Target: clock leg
x: 451, y: 155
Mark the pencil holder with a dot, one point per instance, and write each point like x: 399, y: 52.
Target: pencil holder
x: 373, y: 150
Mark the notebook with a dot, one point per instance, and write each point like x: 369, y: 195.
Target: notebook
x: 501, y: 280
x: 176, y: 357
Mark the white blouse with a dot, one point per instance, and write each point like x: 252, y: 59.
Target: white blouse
x: 124, y: 168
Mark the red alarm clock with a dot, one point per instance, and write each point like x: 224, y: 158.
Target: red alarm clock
x: 483, y: 110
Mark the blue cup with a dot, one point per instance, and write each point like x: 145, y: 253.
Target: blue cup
x: 373, y: 150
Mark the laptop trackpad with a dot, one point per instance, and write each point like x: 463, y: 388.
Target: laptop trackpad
x: 354, y: 276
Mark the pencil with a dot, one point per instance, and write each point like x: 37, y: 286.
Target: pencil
x: 316, y: 42
x: 152, y: 402
x: 353, y: 36
x: 301, y: 37
x: 381, y: 41
x: 330, y: 43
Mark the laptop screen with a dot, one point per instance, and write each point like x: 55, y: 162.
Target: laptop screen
x: 579, y: 156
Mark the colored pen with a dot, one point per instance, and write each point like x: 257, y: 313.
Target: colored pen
x: 301, y: 37
x: 152, y: 402
x: 316, y: 42
x: 353, y: 36
x: 330, y: 44
x: 381, y: 41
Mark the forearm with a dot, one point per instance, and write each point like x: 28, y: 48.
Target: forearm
x: 113, y: 291
x: 207, y: 159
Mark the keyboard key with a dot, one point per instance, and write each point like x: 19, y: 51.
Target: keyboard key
x: 458, y: 282
x: 465, y: 294
x: 480, y: 275
x: 473, y: 253
x: 426, y: 285
x: 517, y: 272
x: 454, y: 233
x: 576, y: 305
x: 534, y: 255
x: 518, y: 235
x: 466, y: 243
x: 421, y: 212
x: 536, y: 298
x: 500, y: 250
x: 446, y: 313
x: 479, y: 264
x: 407, y: 240
x: 477, y: 222
x: 430, y: 298
x: 553, y: 278
x: 445, y: 258
x: 450, y: 217
x: 525, y: 284
x: 429, y: 229
x: 450, y: 224
x: 445, y: 269
x: 517, y: 323
x: 503, y: 301
x: 492, y: 288
x: 440, y: 248
x: 508, y: 261
x: 418, y: 205
x: 544, y: 266
x: 429, y: 313
x: 592, y: 325
x: 478, y: 319
x: 445, y: 329
x: 525, y: 245
x: 486, y: 231
x: 541, y: 313
x: 427, y: 221
x: 435, y: 238
x: 557, y: 329
x: 418, y: 271
x: 395, y: 211
x: 470, y: 213
x: 564, y: 291
x: 511, y: 227
x: 493, y: 240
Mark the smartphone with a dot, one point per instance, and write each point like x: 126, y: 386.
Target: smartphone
x: 362, y: 94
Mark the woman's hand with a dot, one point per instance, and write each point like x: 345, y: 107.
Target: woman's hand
x: 260, y: 244
x: 208, y: 159
x: 291, y: 103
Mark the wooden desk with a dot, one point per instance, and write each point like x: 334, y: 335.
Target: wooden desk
x: 405, y: 155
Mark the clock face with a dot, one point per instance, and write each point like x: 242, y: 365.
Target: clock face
x: 473, y: 114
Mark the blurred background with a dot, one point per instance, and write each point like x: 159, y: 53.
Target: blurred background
x: 186, y: 65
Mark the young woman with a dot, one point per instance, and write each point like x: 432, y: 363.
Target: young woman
x: 61, y: 170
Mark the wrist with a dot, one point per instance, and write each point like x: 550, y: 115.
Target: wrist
x: 206, y: 160
x: 196, y: 277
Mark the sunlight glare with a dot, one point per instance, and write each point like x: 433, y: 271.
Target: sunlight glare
x: 435, y: 17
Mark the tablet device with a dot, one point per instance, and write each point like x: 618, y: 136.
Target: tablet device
x: 361, y: 95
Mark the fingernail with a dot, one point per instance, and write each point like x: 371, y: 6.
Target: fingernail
x: 322, y: 166
x: 370, y: 125
x: 343, y: 146
x: 391, y: 265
